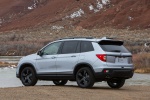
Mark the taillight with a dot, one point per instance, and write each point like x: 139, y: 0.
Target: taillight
x: 102, y: 57
x: 130, y: 60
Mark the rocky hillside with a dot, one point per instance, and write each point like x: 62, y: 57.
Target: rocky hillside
x: 22, y: 14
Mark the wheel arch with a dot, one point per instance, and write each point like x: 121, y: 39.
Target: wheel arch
x: 81, y: 65
x: 26, y: 65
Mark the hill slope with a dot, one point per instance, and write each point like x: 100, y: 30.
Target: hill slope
x: 22, y: 14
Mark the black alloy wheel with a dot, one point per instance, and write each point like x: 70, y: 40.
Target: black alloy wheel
x: 85, y: 78
x: 116, y: 83
x: 28, y: 77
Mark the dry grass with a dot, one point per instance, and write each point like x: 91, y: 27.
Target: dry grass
x: 142, y: 62
x: 4, y: 64
x: 29, y: 41
x: 142, y: 70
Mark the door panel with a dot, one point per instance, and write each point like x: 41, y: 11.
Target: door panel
x: 46, y: 64
x: 66, y: 62
x: 68, y: 58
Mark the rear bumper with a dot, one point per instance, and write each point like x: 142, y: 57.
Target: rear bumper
x: 114, y: 73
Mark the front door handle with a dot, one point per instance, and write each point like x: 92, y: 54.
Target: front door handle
x: 73, y: 56
x: 53, y: 57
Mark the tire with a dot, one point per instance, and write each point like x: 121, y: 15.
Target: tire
x: 116, y: 83
x: 85, y: 78
x: 28, y: 76
x: 60, y: 82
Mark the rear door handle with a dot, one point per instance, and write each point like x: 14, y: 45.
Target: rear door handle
x: 53, y: 57
x: 73, y: 56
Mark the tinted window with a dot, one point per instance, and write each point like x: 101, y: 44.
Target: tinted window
x: 86, y: 46
x: 113, y: 46
x: 51, y: 49
x: 69, y: 47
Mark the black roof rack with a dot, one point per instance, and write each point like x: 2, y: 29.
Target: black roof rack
x: 108, y: 37
x: 77, y: 38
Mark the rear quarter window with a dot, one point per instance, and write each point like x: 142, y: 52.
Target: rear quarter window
x: 113, y: 46
x: 86, y: 46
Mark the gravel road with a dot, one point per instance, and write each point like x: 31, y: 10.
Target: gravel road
x: 69, y: 92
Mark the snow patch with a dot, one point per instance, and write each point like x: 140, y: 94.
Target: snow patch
x: 57, y: 27
x: 12, y: 66
x: 78, y: 13
x: 99, y: 5
x: 130, y: 18
x: 34, y: 5
x: 105, y: 2
x: 91, y: 7
x: 30, y: 8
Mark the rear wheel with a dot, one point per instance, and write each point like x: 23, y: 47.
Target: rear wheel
x: 85, y: 78
x: 116, y: 83
x: 28, y: 76
x: 60, y: 82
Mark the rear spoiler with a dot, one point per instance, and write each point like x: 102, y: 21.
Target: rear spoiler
x: 110, y: 42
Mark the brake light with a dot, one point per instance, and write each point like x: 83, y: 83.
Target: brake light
x: 106, y: 71
x: 102, y: 57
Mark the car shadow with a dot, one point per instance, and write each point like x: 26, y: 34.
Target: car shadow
x: 92, y: 88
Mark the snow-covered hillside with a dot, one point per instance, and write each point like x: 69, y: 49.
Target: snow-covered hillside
x: 20, y: 14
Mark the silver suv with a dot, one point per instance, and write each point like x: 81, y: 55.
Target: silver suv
x: 82, y: 59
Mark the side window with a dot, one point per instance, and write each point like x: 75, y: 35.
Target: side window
x: 52, y: 49
x: 69, y: 47
x: 78, y: 48
x: 86, y: 46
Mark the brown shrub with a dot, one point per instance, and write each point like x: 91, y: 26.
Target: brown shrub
x: 141, y: 60
x: 19, y: 48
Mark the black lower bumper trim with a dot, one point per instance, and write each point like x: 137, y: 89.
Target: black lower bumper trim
x: 114, y: 73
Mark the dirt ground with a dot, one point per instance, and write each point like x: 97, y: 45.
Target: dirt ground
x: 75, y: 93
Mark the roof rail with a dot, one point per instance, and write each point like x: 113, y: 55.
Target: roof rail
x: 76, y: 38
x: 107, y: 38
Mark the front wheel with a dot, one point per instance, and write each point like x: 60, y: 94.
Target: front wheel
x: 60, y: 82
x: 85, y: 78
x: 116, y: 83
x: 28, y: 76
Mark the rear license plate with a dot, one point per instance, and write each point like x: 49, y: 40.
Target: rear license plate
x: 122, y: 60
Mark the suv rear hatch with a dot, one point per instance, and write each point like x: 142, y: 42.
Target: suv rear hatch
x: 117, y: 55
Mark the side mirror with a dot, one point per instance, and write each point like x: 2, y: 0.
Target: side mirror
x: 40, y: 53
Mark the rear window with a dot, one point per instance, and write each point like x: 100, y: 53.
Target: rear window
x: 113, y: 46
